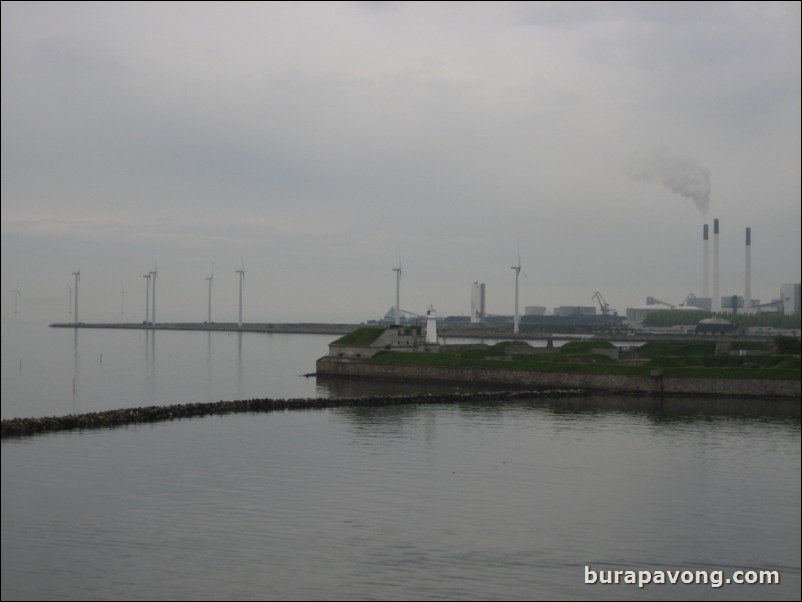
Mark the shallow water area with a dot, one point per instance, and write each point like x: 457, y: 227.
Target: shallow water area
x: 492, y: 500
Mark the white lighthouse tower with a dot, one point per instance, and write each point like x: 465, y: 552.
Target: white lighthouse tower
x: 431, y: 326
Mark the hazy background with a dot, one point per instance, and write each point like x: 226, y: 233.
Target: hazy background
x: 316, y: 142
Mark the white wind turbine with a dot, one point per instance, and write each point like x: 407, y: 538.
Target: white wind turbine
x: 147, y: 297
x: 154, y: 274
x: 77, y: 280
x: 241, y: 280
x: 398, y: 271
x: 517, y: 318
x: 122, y: 299
x: 210, y: 279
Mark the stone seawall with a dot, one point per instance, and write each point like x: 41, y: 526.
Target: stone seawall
x: 17, y: 427
x: 608, y: 383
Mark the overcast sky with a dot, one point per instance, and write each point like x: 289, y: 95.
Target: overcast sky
x: 317, y: 142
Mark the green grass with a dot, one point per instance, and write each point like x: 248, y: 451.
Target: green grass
x: 360, y: 337
x: 585, y: 346
x: 680, y: 359
x: 654, y: 349
x: 751, y: 345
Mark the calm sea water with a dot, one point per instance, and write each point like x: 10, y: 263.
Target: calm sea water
x: 469, y: 501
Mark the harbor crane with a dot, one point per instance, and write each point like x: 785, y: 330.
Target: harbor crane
x: 690, y: 297
x: 605, y: 307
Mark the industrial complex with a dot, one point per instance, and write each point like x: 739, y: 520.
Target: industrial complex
x: 601, y: 315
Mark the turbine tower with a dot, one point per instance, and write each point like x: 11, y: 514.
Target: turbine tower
x: 398, y: 272
x: 209, y: 280
x: 516, y: 318
x: 122, y: 299
x: 77, y: 280
x: 147, y: 297
x: 154, y: 274
x: 241, y: 280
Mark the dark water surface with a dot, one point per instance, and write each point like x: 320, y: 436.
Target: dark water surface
x: 469, y: 501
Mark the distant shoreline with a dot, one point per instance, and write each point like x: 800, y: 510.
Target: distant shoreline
x: 319, y: 328
x: 294, y: 328
x: 336, y: 328
x: 304, y: 328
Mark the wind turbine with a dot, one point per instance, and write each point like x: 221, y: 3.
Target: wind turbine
x: 122, y: 299
x: 398, y: 272
x: 154, y: 274
x: 241, y: 280
x: 210, y: 279
x: 147, y: 297
x: 77, y: 280
x: 517, y: 318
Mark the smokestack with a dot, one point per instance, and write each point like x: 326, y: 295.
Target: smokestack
x: 705, y: 268
x: 716, y: 297
x: 748, y: 275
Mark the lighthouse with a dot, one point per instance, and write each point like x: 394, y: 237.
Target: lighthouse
x: 431, y: 326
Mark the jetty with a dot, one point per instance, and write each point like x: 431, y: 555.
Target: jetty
x: 18, y: 427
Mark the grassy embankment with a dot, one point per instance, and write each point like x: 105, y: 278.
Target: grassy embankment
x: 361, y: 336
x: 779, y: 360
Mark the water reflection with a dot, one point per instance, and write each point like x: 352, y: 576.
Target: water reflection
x: 329, y: 386
x: 240, y: 394
x: 660, y: 412
x: 479, y: 500
x: 75, y: 371
x: 150, y: 365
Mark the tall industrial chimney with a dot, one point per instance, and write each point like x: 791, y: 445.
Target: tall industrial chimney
x: 716, y: 297
x: 706, y: 266
x: 748, y: 275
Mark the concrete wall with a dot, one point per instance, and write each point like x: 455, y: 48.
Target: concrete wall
x: 613, y: 383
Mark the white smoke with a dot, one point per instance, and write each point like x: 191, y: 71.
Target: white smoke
x: 682, y: 175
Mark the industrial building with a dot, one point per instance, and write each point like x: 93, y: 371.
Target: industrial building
x: 789, y: 294
x: 575, y: 310
x: 534, y: 310
x: 478, y: 303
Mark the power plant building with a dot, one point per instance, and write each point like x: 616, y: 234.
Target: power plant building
x: 789, y: 293
x: 534, y: 310
x: 575, y: 310
x: 477, y: 303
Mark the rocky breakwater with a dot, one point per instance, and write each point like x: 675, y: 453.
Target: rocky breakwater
x: 18, y: 427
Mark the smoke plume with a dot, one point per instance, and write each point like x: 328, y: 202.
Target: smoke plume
x: 681, y: 175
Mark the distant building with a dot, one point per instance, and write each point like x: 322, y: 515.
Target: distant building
x: 703, y: 303
x: 789, y: 293
x: 534, y: 310
x: 477, y: 303
x: 575, y: 310
x: 715, y: 326
x: 732, y: 303
x: 392, y: 338
x: 637, y: 314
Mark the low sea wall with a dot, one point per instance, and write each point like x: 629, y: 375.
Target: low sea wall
x: 608, y: 383
x: 272, y: 328
x: 17, y: 427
